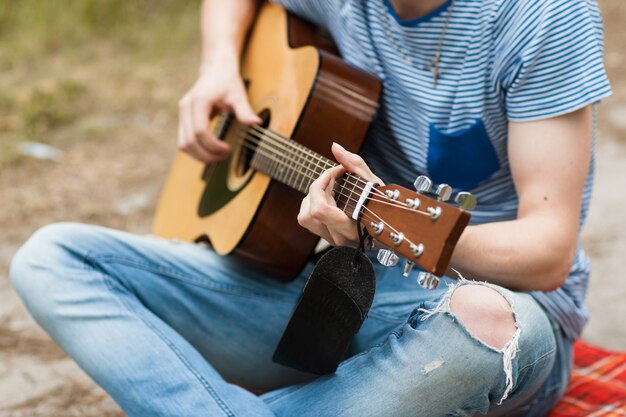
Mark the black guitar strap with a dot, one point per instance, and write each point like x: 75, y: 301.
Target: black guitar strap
x: 331, y: 310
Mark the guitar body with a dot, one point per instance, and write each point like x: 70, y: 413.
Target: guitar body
x: 308, y: 94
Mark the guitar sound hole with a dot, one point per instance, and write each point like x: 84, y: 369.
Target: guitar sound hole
x: 250, y: 144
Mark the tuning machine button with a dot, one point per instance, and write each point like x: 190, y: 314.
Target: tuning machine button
x: 417, y: 249
x: 387, y: 257
x: 427, y: 280
x: 465, y: 200
x: 435, y: 212
x: 396, y: 238
x: 408, y: 267
x: 444, y: 192
x: 392, y: 194
x: 378, y: 227
x: 423, y: 184
x: 412, y: 203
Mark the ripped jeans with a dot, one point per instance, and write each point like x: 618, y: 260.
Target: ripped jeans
x: 163, y: 326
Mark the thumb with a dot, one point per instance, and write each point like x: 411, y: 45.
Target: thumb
x: 244, y: 112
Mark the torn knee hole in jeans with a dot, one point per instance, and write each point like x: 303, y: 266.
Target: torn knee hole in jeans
x: 508, y: 351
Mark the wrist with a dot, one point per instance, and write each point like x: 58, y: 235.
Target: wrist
x: 223, y: 57
x: 460, y: 251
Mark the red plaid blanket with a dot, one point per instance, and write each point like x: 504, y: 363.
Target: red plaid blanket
x: 598, y: 384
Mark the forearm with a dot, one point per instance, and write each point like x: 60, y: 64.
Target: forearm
x: 224, y: 27
x: 524, y: 254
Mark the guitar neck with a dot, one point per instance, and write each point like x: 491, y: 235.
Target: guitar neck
x: 288, y: 162
x: 296, y: 166
x: 419, y: 228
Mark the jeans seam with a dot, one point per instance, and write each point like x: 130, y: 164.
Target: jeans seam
x: 275, y: 397
x: 385, y: 318
x: 394, y: 333
x: 207, y: 386
x: 174, y: 274
x: 536, y: 361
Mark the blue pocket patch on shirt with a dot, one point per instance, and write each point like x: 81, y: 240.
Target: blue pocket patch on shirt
x: 462, y: 159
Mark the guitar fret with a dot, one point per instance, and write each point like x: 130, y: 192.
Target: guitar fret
x: 294, y: 171
x: 293, y: 164
x: 350, y: 197
x: 346, y: 199
x: 287, y: 170
x: 277, y: 171
x: 313, y: 171
x: 314, y: 174
x: 288, y: 164
x: 265, y: 161
x: 340, y: 197
x: 303, y: 176
x: 273, y: 167
x: 284, y: 168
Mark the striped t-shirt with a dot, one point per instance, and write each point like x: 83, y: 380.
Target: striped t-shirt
x: 501, y: 61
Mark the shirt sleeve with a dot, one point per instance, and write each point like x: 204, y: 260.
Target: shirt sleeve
x: 314, y: 11
x: 552, y: 50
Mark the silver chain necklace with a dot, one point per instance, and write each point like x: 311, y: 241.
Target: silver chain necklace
x: 433, y: 65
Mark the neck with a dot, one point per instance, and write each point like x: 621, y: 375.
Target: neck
x: 413, y: 9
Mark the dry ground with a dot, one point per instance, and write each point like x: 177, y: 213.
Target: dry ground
x: 117, y: 139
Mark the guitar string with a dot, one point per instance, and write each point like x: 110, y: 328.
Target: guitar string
x: 297, y: 147
x: 357, y: 184
x: 367, y: 213
x: 305, y: 161
x: 349, y: 197
x: 271, y: 157
x: 268, y: 153
x: 286, y: 144
x: 281, y: 141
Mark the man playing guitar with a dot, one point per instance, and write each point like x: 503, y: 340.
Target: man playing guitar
x: 497, y: 97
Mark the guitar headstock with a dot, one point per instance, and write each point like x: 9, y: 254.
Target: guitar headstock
x: 419, y: 226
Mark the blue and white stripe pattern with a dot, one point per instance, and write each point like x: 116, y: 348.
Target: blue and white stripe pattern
x: 501, y: 61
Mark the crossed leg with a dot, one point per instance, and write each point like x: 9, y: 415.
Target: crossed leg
x: 160, y: 325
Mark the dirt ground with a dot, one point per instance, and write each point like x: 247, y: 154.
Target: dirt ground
x: 114, y: 158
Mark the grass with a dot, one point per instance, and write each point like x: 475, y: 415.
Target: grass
x: 66, y: 61
x: 32, y: 27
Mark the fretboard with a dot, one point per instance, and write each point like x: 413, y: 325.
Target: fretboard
x: 296, y: 166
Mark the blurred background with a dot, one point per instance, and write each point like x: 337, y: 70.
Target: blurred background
x: 88, y: 119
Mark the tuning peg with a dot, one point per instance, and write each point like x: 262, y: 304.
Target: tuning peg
x: 444, y: 192
x: 427, y: 280
x: 417, y: 249
x: 465, y: 200
x: 423, y: 184
x: 408, y: 267
x: 387, y: 257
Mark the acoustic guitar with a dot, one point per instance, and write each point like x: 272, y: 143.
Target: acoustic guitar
x: 246, y: 206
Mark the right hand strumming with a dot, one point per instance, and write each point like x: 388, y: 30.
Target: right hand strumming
x: 214, y: 90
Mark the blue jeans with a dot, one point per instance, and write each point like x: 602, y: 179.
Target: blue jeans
x: 169, y: 328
